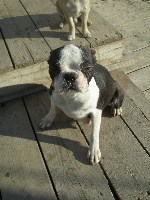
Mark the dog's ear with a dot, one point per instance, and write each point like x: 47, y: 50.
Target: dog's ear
x: 54, y: 68
x: 89, y: 55
x: 89, y: 60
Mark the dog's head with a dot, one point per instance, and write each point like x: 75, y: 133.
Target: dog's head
x: 70, y: 68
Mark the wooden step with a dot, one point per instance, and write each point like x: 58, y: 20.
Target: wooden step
x: 30, y: 30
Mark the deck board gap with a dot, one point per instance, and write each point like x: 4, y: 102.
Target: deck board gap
x: 146, y: 89
x: 0, y: 195
x: 7, y: 47
x: 34, y: 23
x: 112, y: 188
x: 135, y: 134
x: 40, y: 149
x: 140, y: 48
x: 110, y: 185
x: 138, y: 69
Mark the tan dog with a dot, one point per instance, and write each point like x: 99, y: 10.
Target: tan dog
x: 70, y: 11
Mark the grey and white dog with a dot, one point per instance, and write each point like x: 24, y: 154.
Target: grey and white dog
x: 70, y: 11
x: 81, y: 90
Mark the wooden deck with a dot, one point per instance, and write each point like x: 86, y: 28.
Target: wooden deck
x: 51, y: 164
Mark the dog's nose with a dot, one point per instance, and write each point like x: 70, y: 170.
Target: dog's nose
x: 70, y: 77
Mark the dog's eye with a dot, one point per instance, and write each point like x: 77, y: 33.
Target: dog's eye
x: 88, y: 68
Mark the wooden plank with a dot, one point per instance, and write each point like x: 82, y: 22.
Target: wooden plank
x: 131, y: 61
x: 47, y: 20
x: 33, y: 40
x: 137, y: 122
x: 137, y: 42
x: 132, y: 91
x: 141, y: 78
x: 123, y: 159
x: 111, y: 9
x: 120, y: 12
x: 135, y: 27
x: 109, y: 53
x: 13, y: 38
x: 5, y: 61
x: 73, y: 177
x: 122, y: 17
x: 102, y: 32
x: 23, y: 174
x: 147, y: 94
x: 27, y: 80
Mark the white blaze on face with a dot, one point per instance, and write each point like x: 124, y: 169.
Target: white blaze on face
x: 70, y: 58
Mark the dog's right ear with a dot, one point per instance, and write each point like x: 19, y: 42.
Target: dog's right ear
x: 53, y: 61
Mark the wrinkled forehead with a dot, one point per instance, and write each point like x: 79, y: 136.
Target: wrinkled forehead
x: 70, y: 58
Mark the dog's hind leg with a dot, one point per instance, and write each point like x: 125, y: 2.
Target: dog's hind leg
x: 117, y: 101
x: 64, y: 22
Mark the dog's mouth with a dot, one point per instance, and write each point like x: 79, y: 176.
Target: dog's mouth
x: 71, y: 82
x: 68, y: 86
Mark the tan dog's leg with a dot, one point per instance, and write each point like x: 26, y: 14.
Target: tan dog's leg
x: 85, y: 30
x: 71, y: 35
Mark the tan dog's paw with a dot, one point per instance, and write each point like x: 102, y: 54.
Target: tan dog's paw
x: 89, y: 23
x: 71, y: 37
x: 61, y: 25
x: 87, y: 34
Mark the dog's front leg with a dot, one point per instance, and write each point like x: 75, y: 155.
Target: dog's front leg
x: 85, y: 30
x: 48, y: 119
x: 71, y: 35
x: 94, y: 154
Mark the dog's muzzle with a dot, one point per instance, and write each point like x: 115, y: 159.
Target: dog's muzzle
x: 70, y: 81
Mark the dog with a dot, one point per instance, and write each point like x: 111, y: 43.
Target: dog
x: 81, y: 89
x: 70, y: 11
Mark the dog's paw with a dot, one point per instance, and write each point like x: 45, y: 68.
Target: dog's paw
x: 116, y: 112
x: 89, y: 23
x: 87, y: 34
x: 94, y: 155
x: 46, y: 122
x: 61, y: 25
x: 71, y: 37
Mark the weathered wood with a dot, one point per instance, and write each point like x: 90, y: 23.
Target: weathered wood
x: 147, y: 94
x: 137, y: 122
x: 135, y: 27
x: 47, y: 20
x: 109, y: 53
x: 141, y: 78
x: 141, y: 58
x: 122, y: 12
x: 20, y: 82
x: 122, y: 17
x: 140, y: 63
x: 5, y: 61
x: 13, y: 38
x: 137, y: 42
x: 111, y: 9
x: 33, y: 40
x: 123, y: 159
x: 132, y: 91
x: 102, y: 32
x: 65, y: 152
x: 23, y: 174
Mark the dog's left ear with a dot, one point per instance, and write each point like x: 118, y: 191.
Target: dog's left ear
x: 89, y: 60
x: 89, y: 55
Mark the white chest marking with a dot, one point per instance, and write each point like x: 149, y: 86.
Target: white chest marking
x: 78, y: 105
